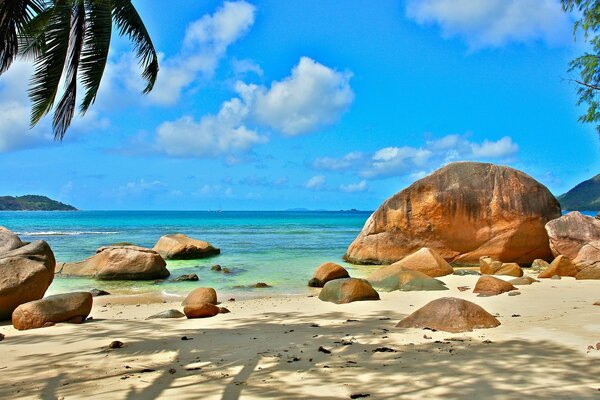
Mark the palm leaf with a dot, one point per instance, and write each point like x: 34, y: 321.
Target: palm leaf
x: 63, y: 114
x: 130, y: 24
x: 14, y: 14
x: 50, y: 64
x: 96, y: 46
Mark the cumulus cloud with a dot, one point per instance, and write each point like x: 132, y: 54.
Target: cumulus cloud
x: 204, y: 46
x: 354, y: 187
x: 501, y: 148
x: 494, y: 23
x: 316, y: 182
x: 312, y: 97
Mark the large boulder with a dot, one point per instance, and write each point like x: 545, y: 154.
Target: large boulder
x: 118, y: 263
x: 386, y: 272
x: 69, y: 307
x: 561, y: 266
x: 428, y: 262
x: 463, y: 211
x: 9, y: 240
x: 450, y: 314
x: 592, y: 272
x: 201, y: 303
x: 182, y: 247
x: 327, y: 272
x: 408, y: 281
x: 569, y: 233
x: 488, y: 266
x: 491, y: 286
x: 25, y: 274
x: 201, y: 295
x: 347, y: 290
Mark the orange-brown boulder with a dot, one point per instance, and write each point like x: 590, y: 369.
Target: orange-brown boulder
x: 488, y: 285
x: 347, y: 290
x: 327, y: 272
x: 112, y: 263
x: 200, y: 310
x: 561, y: 266
x: 569, y: 233
x: 182, y: 247
x: 428, y: 262
x: 68, y: 307
x: 488, y: 266
x: 25, y: 274
x: 592, y: 272
x: 201, y: 296
x: 450, y: 314
x: 463, y: 211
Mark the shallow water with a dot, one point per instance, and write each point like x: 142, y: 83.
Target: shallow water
x: 281, y: 249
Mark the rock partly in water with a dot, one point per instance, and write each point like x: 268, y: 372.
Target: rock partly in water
x: 203, y: 310
x: 111, y: 263
x: 347, y: 290
x: 25, y: 274
x: 167, y: 314
x: 99, y: 292
x: 408, y: 281
x: 561, y: 266
x: 69, y: 307
x: 182, y: 247
x: 488, y: 285
x: 450, y: 314
x: 327, y: 272
x: 462, y: 211
x: 187, y: 277
x: 427, y: 261
x: 465, y: 272
x: 489, y: 266
x: 200, y: 296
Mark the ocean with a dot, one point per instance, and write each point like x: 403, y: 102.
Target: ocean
x: 280, y: 248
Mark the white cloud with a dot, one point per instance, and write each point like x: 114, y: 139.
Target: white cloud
x: 494, y: 23
x: 316, y: 182
x: 243, y: 67
x: 502, y: 148
x: 396, y: 160
x: 349, y: 161
x: 142, y: 186
x: 313, y: 96
x: 354, y: 187
x: 204, y: 45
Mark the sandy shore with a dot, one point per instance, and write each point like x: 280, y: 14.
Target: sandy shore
x: 268, y: 348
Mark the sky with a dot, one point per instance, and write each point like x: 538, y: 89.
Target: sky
x: 270, y: 105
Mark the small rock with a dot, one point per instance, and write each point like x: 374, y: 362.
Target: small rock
x: 172, y: 371
x: 167, y: 314
x: 463, y: 288
x: 223, y: 310
x: 226, y: 271
x: 232, y: 299
x: 514, y: 293
x: 99, y: 292
x: 556, y: 277
x: 324, y: 350
x: 186, y: 338
x: 188, y: 277
x: 598, y: 346
x: 597, y: 303
x: 359, y: 395
x: 384, y: 350
x: 2, y: 337
x: 261, y: 285
x: 115, y: 344
x: 464, y: 272
x: 426, y: 337
x: 216, y: 268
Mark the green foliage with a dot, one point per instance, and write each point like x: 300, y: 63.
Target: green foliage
x: 583, y: 197
x: 32, y: 203
x: 586, y: 65
x: 69, y: 40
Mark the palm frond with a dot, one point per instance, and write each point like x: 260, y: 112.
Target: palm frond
x: 50, y: 64
x: 63, y: 114
x: 14, y: 14
x: 130, y: 24
x: 95, y: 51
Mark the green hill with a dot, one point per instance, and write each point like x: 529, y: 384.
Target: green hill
x: 583, y: 197
x: 32, y: 203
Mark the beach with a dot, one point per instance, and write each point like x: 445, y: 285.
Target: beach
x: 269, y: 348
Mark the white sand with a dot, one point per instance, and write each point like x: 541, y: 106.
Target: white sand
x: 267, y: 348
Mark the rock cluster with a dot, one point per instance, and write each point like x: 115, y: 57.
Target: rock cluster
x: 489, y: 266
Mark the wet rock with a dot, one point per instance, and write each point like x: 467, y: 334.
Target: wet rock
x: 167, y: 314
x: 216, y: 268
x: 99, y: 292
x: 450, y: 314
x: 188, y: 277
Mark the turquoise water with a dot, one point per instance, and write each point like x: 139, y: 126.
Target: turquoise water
x: 281, y: 249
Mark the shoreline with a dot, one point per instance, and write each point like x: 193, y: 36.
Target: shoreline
x: 268, y: 347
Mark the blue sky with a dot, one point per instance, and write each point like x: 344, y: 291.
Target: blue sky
x: 266, y: 105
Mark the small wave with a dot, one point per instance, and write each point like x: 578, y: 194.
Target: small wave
x: 65, y: 233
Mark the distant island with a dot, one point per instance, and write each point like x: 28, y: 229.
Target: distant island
x: 32, y: 203
x: 583, y: 197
